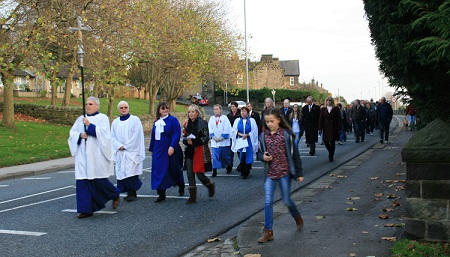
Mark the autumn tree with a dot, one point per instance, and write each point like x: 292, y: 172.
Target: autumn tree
x: 412, y: 42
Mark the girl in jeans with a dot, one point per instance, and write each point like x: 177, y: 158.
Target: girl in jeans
x: 282, y: 163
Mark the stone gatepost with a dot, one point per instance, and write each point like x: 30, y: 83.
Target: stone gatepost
x: 427, y: 157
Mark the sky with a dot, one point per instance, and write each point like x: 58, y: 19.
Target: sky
x: 330, y: 38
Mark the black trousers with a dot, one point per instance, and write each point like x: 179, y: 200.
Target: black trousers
x: 331, y: 146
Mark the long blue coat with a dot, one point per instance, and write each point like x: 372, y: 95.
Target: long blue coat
x: 167, y: 171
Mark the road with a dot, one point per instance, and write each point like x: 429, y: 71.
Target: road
x: 38, y: 213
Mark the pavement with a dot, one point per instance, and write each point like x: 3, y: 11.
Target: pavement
x: 356, y: 209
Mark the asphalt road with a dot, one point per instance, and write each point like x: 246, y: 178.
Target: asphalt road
x: 38, y: 213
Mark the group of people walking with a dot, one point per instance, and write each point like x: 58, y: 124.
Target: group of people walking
x: 273, y: 137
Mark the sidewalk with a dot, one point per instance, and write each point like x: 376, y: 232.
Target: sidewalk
x: 355, y: 210
x: 36, y: 168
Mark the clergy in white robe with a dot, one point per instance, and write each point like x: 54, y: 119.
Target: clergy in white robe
x: 90, y: 143
x: 128, y: 146
x: 245, y: 128
x: 219, y: 127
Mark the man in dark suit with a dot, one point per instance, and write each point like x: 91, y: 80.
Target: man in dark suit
x: 286, y: 109
x: 255, y: 116
x: 311, y: 114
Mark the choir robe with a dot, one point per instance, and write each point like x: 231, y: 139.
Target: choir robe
x: 220, y: 127
x: 167, y: 171
x: 252, y: 139
x: 93, y: 163
x: 127, y: 131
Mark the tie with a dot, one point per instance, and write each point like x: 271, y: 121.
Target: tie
x: 310, y: 108
x: 285, y: 111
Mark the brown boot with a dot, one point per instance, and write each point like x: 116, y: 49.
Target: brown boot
x: 299, y: 222
x: 211, y: 188
x: 267, y: 236
x: 192, y: 195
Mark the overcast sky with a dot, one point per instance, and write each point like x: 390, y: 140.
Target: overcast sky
x: 330, y: 38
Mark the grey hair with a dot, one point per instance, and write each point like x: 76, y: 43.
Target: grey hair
x: 122, y: 102
x: 94, y: 99
x: 195, y: 107
x: 310, y: 97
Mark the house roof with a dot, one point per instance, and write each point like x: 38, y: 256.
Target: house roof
x: 23, y: 73
x: 64, y: 71
x: 291, y: 68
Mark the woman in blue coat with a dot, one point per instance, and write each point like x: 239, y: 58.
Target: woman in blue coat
x: 167, y: 159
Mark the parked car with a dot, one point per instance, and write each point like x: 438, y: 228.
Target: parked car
x: 240, y: 104
x: 199, y: 100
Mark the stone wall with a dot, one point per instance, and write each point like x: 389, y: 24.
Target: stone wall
x: 427, y: 157
x: 68, y: 115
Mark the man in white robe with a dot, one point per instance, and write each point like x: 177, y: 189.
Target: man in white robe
x: 128, y: 144
x: 90, y: 143
x: 219, y: 127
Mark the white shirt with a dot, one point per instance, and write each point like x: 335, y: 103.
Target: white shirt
x: 219, y: 126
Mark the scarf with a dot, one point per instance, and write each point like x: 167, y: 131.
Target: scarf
x: 159, y: 127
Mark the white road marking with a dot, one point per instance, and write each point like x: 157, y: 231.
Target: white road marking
x: 37, y: 178
x: 306, y: 156
x: 167, y: 196
x: 25, y: 233
x: 147, y: 170
x: 27, y: 205
x: 28, y: 196
x: 99, y: 212
x: 67, y: 171
x: 4, y: 185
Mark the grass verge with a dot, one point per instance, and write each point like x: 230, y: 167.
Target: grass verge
x: 411, y: 248
x: 33, y: 142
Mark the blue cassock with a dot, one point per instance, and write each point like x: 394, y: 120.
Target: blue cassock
x: 167, y: 171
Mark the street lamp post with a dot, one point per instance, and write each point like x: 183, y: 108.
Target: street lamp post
x: 246, y: 54
x: 80, y: 53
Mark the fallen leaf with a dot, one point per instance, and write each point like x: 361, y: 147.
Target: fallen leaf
x: 389, y: 225
x: 212, y: 240
x: 373, y: 178
x: 394, y: 203
x: 354, y: 198
x: 378, y: 194
x: 383, y: 216
x: 327, y: 187
x: 320, y: 217
x: 365, y: 232
x: 352, y: 254
x: 387, y: 209
x: 332, y: 175
x: 391, y: 196
x: 351, y: 209
x: 350, y: 202
x: 401, y: 187
x: 393, y: 238
x: 393, y: 225
x: 341, y: 176
x: 378, y: 199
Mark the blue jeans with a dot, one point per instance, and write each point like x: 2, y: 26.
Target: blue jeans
x: 269, y: 188
x: 297, y: 139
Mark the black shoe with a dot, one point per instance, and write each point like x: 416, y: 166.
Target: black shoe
x: 381, y: 141
x: 311, y: 153
x: 357, y: 141
x: 244, y: 177
x: 161, y: 196
x: 131, y: 196
x: 214, y: 174
x: 330, y: 158
x: 181, y: 189
x: 229, y: 169
x: 84, y: 215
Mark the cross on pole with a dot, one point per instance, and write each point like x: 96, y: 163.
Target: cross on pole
x: 80, y: 28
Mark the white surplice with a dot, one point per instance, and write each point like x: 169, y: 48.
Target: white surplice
x: 128, y: 133
x: 219, y: 126
x: 93, y: 157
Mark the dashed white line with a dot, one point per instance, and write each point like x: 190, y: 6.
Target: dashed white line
x: 41, y: 178
x: 36, y: 203
x: 18, y: 232
x: 28, y: 196
x: 99, y: 212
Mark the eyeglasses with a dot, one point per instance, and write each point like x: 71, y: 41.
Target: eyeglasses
x: 89, y: 104
x: 164, y: 107
x: 123, y: 107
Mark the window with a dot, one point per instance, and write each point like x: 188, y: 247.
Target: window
x: 292, y: 81
x: 240, y: 79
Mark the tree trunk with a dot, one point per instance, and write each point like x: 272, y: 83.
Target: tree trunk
x: 111, y: 102
x: 53, y: 98
x: 8, y: 103
x: 69, y: 80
